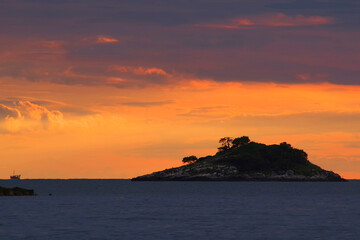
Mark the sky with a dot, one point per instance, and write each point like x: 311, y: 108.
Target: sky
x: 121, y: 88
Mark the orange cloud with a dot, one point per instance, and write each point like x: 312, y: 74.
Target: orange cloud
x: 244, y: 22
x: 282, y: 20
x: 10, y: 119
x: 222, y: 26
x: 37, y: 112
x: 141, y: 71
x: 115, y: 80
x: 25, y: 115
x: 274, y: 20
x: 6, y: 111
x: 105, y: 40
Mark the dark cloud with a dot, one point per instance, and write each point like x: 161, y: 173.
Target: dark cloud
x: 314, y: 4
x: 126, y: 11
x: 59, y: 40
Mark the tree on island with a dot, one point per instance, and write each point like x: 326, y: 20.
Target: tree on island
x: 190, y: 159
x: 285, y: 145
x: 225, y: 143
x: 228, y: 142
x: 240, y: 141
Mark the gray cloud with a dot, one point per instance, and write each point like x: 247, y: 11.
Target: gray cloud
x: 166, y: 35
x: 313, y: 5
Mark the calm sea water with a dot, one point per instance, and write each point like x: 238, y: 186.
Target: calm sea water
x: 121, y: 209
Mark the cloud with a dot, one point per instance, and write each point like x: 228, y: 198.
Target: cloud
x: 312, y: 77
x: 209, y: 113
x: 61, y: 61
x: 29, y: 50
x: 141, y: 71
x: 269, y: 47
x: 105, y: 40
x: 147, y: 104
x: 223, y: 26
x: 65, y: 108
x: 99, y: 39
x: 25, y: 115
x: 7, y: 112
x: 302, y: 123
x: 115, y: 80
x: 314, y: 5
x: 273, y: 20
x: 303, y: 76
x: 282, y: 20
x: 37, y: 112
x: 138, y: 76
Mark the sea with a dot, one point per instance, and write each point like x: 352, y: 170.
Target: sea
x: 85, y: 209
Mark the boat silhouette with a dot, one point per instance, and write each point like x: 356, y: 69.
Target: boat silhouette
x: 15, y: 176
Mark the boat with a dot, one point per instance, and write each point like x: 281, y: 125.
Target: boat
x: 15, y: 176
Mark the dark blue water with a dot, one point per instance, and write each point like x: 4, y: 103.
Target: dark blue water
x: 121, y: 209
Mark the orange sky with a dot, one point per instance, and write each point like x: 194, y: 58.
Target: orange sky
x: 115, y: 89
x: 78, y: 131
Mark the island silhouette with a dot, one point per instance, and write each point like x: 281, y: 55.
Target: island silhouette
x: 239, y: 159
x: 16, y: 191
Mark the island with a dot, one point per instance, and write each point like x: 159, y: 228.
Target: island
x: 16, y: 191
x: 239, y: 159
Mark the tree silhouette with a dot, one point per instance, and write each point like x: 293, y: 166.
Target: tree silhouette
x: 285, y: 145
x: 190, y: 159
x: 240, y: 141
x: 225, y: 143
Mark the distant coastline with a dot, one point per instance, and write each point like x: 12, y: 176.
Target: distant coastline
x: 16, y: 191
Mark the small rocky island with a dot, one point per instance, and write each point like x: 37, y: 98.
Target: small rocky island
x: 240, y: 159
x: 16, y: 192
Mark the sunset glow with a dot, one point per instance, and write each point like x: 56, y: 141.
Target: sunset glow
x: 121, y: 97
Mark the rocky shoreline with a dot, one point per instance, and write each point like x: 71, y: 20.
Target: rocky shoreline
x: 247, y: 162
x: 178, y: 174
x: 16, y: 191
